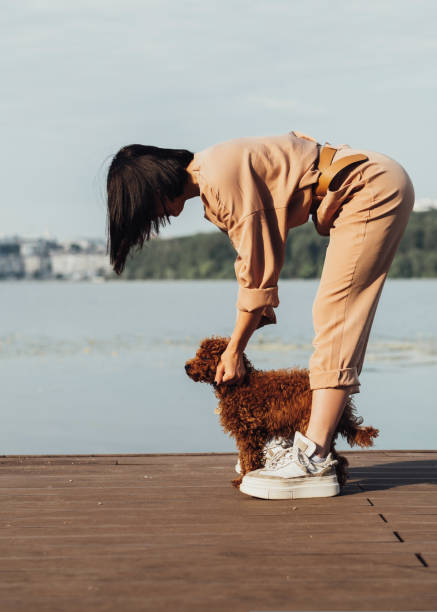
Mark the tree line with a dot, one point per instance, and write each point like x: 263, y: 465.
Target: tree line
x: 211, y: 255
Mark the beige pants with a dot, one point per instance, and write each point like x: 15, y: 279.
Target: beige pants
x: 376, y: 199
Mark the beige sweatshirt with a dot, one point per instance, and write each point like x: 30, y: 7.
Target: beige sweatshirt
x: 255, y: 190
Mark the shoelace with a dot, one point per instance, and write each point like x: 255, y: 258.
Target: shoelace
x: 285, y: 455
x: 282, y: 456
x: 278, y: 451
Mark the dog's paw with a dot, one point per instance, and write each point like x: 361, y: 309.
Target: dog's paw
x: 236, y: 482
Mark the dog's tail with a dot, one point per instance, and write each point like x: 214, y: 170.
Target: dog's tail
x: 363, y: 436
x: 350, y: 427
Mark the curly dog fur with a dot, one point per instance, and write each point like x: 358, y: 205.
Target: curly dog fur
x: 267, y: 404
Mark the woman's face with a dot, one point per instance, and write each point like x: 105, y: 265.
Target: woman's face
x: 173, y: 207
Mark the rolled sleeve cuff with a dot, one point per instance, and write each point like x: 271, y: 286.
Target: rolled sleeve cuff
x: 343, y: 377
x: 251, y: 299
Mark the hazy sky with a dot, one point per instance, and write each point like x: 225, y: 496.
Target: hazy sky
x: 82, y: 78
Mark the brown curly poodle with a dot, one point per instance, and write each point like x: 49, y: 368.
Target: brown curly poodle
x: 266, y: 404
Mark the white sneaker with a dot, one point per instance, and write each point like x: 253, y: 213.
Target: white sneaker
x: 292, y: 474
x: 270, y: 450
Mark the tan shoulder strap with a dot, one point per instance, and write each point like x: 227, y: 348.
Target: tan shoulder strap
x: 326, y: 155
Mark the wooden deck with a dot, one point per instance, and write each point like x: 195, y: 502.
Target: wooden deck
x: 169, y: 532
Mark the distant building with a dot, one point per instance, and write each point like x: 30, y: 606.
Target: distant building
x: 28, y: 258
x: 36, y: 256
x: 11, y: 260
x: 79, y: 266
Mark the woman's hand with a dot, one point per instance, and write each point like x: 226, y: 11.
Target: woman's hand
x: 231, y: 367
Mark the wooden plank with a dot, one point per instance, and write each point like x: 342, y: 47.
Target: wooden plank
x: 241, y: 545
x: 352, y: 566
x: 327, y: 531
x: 423, y: 519
x: 243, y: 594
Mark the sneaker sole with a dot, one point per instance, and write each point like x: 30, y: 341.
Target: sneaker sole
x: 323, y: 486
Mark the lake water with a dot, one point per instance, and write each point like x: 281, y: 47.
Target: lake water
x: 99, y: 367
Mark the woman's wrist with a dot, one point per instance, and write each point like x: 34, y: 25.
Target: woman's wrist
x: 244, y: 328
x: 235, y: 347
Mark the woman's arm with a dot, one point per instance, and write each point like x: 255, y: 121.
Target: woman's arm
x: 231, y: 367
x: 260, y: 248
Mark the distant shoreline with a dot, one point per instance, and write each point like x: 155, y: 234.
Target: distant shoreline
x: 202, y: 256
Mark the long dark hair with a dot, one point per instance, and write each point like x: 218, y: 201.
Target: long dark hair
x: 139, y: 177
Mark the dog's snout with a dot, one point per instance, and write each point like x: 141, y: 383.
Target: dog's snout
x: 187, y: 367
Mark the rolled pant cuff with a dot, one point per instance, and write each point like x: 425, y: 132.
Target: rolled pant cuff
x: 346, y: 377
